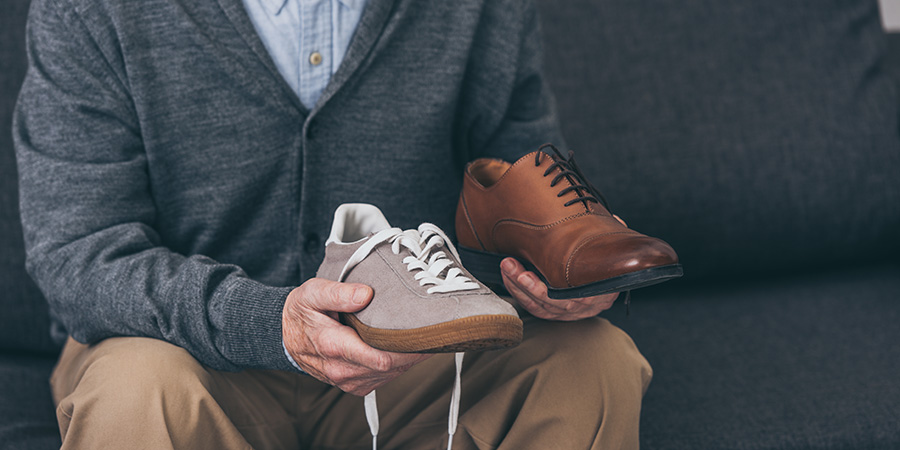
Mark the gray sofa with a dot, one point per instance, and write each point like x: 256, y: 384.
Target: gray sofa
x: 761, y: 139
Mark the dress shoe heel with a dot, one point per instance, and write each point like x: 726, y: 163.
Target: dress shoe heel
x: 483, y: 265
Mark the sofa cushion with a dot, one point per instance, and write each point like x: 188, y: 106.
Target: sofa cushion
x: 753, y: 136
x: 24, y: 323
x: 27, y: 420
x: 807, y: 362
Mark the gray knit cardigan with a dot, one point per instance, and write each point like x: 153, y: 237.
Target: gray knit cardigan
x: 173, y: 186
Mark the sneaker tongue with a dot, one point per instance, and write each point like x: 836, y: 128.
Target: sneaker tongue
x: 354, y: 221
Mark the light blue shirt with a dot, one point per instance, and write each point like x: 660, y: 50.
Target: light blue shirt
x: 307, y: 39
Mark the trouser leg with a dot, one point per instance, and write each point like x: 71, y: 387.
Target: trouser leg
x: 571, y: 385
x: 145, y: 393
x: 568, y: 386
x: 575, y: 385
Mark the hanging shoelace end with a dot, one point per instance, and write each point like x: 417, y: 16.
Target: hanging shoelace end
x: 454, y: 401
x: 371, y: 405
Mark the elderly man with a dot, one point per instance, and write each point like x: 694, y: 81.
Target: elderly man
x: 179, y: 163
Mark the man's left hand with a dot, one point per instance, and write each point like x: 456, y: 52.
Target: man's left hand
x: 531, y: 293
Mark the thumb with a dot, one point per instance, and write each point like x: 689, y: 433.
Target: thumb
x: 332, y: 296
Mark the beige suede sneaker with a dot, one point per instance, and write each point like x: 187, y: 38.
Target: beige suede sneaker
x: 425, y: 301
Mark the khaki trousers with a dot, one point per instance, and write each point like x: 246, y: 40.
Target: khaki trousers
x: 569, y: 385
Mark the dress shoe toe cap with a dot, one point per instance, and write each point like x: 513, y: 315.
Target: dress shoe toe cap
x: 601, y: 259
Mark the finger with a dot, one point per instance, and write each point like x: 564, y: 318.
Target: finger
x: 331, y: 296
x: 514, y: 288
x: 556, y: 309
x: 525, y: 281
x: 539, y: 310
x: 360, y: 381
x: 568, y: 304
x: 537, y: 290
x: 344, y: 343
x: 586, y: 307
x: 593, y: 300
x: 534, y: 286
x: 526, y: 301
x: 531, y: 293
x: 528, y: 282
x: 535, y: 309
x: 511, y: 267
x: 350, y: 377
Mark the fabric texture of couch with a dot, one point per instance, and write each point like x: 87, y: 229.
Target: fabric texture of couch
x: 761, y: 139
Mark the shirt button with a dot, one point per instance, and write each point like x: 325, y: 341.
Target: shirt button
x: 312, y: 244
x: 315, y: 58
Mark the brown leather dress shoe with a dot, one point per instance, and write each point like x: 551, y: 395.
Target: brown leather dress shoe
x: 542, y: 211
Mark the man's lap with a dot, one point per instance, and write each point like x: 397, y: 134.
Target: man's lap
x: 272, y: 409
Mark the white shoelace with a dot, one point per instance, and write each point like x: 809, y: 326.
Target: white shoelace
x: 371, y: 406
x: 422, y: 244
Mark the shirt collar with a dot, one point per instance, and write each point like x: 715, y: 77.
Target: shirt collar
x: 276, y: 6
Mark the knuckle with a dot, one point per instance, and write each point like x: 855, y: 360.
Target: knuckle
x: 337, y: 291
x: 323, y: 289
x: 382, y: 363
x: 330, y: 349
x: 308, y: 291
x: 311, y: 285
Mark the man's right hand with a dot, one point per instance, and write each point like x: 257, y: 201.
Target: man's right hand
x: 329, y: 351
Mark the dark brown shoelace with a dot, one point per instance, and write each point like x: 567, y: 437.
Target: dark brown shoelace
x: 569, y: 170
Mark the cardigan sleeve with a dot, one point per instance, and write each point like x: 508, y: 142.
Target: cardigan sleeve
x: 88, y: 213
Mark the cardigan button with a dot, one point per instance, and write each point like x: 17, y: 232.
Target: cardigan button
x: 312, y: 243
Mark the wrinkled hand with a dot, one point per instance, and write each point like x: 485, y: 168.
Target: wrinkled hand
x: 531, y: 293
x: 329, y: 351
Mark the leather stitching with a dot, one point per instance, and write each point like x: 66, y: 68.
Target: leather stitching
x: 462, y: 198
x: 510, y: 167
x: 535, y: 226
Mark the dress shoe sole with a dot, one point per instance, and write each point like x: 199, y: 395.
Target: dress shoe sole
x: 476, y: 333
x: 486, y: 267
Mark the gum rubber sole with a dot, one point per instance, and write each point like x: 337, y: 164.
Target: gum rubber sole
x: 476, y: 333
x: 486, y: 267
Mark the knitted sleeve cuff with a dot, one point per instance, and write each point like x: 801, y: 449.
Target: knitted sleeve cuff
x: 251, y: 335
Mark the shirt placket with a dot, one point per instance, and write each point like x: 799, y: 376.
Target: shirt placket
x: 316, y: 49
